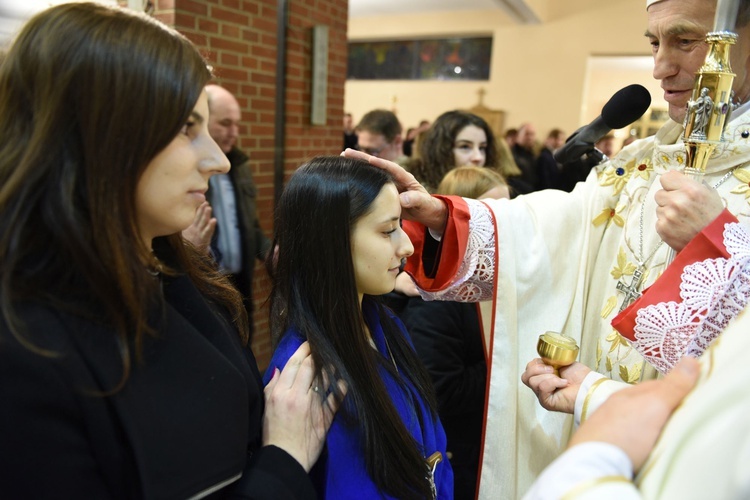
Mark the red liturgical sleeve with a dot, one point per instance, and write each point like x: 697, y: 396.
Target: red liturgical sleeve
x: 434, y: 264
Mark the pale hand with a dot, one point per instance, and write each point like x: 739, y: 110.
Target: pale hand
x: 406, y: 286
x: 200, y: 232
x: 684, y: 207
x: 297, y: 418
x: 555, y: 392
x: 416, y: 202
x: 633, y: 418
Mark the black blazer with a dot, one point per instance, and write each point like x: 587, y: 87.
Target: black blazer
x: 187, y: 421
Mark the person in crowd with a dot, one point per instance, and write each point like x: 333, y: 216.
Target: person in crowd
x: 510, y: 137
x: 387, y: 440
x: 506, y: 166
x: 228, y: 225
x: 606, y: 145
x: 411, y: 136
x: 628, y: 140
x: 474, y: 182
x: 124, y: 367
x: 448, y: 340
x: 524, y: 152
x: 549, y: 171
x: 418, y: 139
x: 575, y: 262
x: 455, y: 139
x: 379, y: 134
x: 350, y: 136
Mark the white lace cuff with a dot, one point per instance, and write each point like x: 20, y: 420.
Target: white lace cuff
x: 712, y: 293
x: 475, y: 277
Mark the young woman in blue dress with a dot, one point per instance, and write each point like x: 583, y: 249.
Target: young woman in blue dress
x: 339, y: 245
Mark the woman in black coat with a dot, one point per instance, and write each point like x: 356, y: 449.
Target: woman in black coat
x: 124, y: 369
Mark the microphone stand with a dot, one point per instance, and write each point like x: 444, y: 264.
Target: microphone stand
x: 711, y: 104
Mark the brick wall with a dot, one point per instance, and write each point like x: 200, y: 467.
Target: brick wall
x: 239, y: 38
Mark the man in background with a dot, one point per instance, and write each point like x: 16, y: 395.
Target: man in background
x: 238, y: 240
x: 549, y: 171
x: 524, y: 154
x: 379, y: 134
x: 606, y: 145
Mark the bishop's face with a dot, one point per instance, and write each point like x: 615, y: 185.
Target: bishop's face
x: 677, y: 33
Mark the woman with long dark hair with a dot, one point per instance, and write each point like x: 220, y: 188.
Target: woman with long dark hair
x: 340, y: 245
x: 124, y: 370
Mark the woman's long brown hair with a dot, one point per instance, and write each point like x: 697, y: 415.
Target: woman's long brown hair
x: 89, y: 95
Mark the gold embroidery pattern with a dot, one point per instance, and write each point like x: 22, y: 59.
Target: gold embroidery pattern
x: 644, y: 169
x: 609, y: 306
x: 631, y: 374
x: 744, y: 188
x: 609, y: 214
x: 616, y: 346
x: 617, y: 176
x: 619, y: 349
x: 623, y: 267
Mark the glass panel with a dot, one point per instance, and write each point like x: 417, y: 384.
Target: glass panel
x: 439, y: 59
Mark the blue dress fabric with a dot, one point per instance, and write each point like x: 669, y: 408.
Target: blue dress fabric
x: 341, y: 471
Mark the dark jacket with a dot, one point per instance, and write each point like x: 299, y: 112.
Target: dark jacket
x: 448, y: 340
x: 549, y: 171
x: 188, y: 418
x: 526, y: 161
x: 255, y: 244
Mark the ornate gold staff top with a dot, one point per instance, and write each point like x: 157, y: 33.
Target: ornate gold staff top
x: 711, y: 104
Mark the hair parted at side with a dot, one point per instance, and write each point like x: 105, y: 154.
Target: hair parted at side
x: 314, y: 291
x: 89, y: 95
x: 436, y: 157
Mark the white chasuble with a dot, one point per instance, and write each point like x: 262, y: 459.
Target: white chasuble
x: 558, y: 258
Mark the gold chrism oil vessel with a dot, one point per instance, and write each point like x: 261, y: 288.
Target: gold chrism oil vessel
x: 557, y: 350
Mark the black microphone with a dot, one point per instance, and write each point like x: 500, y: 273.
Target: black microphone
x: 622, y: 109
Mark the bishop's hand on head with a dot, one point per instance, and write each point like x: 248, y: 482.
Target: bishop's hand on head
x: 417, y: 204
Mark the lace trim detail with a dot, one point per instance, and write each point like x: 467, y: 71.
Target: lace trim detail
x: 475, y: 277
x: 713, y: 292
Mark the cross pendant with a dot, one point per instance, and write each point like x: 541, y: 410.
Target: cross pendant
x: 631, y: 291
